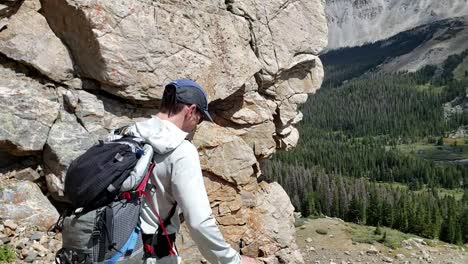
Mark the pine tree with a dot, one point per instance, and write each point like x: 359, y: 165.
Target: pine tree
x: 377, y: 230
x: 354, y: 211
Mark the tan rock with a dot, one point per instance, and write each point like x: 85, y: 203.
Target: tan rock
x: 216, y: 145
x: 27, y: 174
x: 139, y: 48
x: 24, y: 203
x: 29, y: 39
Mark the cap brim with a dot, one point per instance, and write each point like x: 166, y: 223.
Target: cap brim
x: 207, y: 116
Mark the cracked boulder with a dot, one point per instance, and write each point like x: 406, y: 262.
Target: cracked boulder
x: 271, y: 227
x: 24, y: 128
x: 135, y: 47
x: 283, y: 30
x: 28, y: 38
x: 100, y: 114
x: 23, y: 202
x: 67, y: 140
x: 217, y: 144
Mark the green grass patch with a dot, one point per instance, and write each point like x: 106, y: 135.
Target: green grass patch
x: 455, y: 193
x: 436, y: 90
x: 6, y: 254
x: 366, y: 234
x: 453, y: 149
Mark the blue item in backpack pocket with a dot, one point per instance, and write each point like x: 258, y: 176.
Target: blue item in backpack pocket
x: 127, y: 248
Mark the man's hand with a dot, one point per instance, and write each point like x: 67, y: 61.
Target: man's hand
x: 248, y: 260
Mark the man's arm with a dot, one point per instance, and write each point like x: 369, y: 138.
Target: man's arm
x: 189, y: 191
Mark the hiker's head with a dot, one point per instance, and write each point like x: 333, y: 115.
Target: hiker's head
x: 186, y: 102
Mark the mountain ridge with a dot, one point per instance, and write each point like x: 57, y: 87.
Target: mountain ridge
x: 356, y: 22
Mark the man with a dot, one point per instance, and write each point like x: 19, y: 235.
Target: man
x: 177, y: 180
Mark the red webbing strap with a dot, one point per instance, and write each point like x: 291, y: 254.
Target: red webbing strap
x: 143, y: 183
x: 141, y: 189
x: 148, y: 198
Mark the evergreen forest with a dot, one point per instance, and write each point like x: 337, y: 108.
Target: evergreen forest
x: 373, y: 147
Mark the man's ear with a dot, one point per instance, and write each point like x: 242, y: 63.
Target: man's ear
x: 193, y: 109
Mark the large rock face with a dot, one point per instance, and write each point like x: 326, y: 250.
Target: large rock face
x: 258, y: 62
x: 355, y: 22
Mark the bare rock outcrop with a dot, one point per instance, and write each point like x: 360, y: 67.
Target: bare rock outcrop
x: 28, y: 38
x: 24, y: 203
x: 258, y: 62
x: 27, y: 112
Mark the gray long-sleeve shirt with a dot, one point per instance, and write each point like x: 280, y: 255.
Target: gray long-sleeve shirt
x: 177, y: 178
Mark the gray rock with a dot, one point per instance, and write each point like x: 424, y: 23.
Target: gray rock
x: 2, y: 227
x: 387, y: 259
x: 3, y: 23
x: 400, y: 256
x: 24, y: 128
x: 372, y: 251
x: 29, y: 39
x: 23, y: 243
x: 308, y: 240
x: 39, y: 248
x: 37, y: 236
x: 90, y: 112
x: 10, y: 224
x: 32, y: 256
x: 23, y: 202
x: 67, y: 140
x: 4, y: 238
x: 27, y: 174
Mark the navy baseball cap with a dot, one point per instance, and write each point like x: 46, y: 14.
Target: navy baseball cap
x: 190, y: 92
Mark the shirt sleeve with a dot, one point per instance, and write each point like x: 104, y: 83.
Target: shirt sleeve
x: 189, y: 191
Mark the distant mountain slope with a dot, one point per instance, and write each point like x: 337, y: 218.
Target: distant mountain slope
x: 410, y: 50
x: 355, y: 22
x: 448, y: 39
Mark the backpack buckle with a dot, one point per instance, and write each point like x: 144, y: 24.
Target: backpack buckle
x: 96, y: 233
x: 131, y: 195
x: 125, y: 196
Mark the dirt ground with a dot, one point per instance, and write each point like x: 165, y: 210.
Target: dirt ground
x: 336, y: 246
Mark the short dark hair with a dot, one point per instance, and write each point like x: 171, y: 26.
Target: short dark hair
x: 185, y: 92
x: 169, y: 104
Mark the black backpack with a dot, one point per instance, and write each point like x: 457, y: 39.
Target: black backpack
x: 94, y: 178
x: 106, y: 188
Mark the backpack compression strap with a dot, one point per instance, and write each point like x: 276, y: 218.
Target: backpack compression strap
x: 140, y: 191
